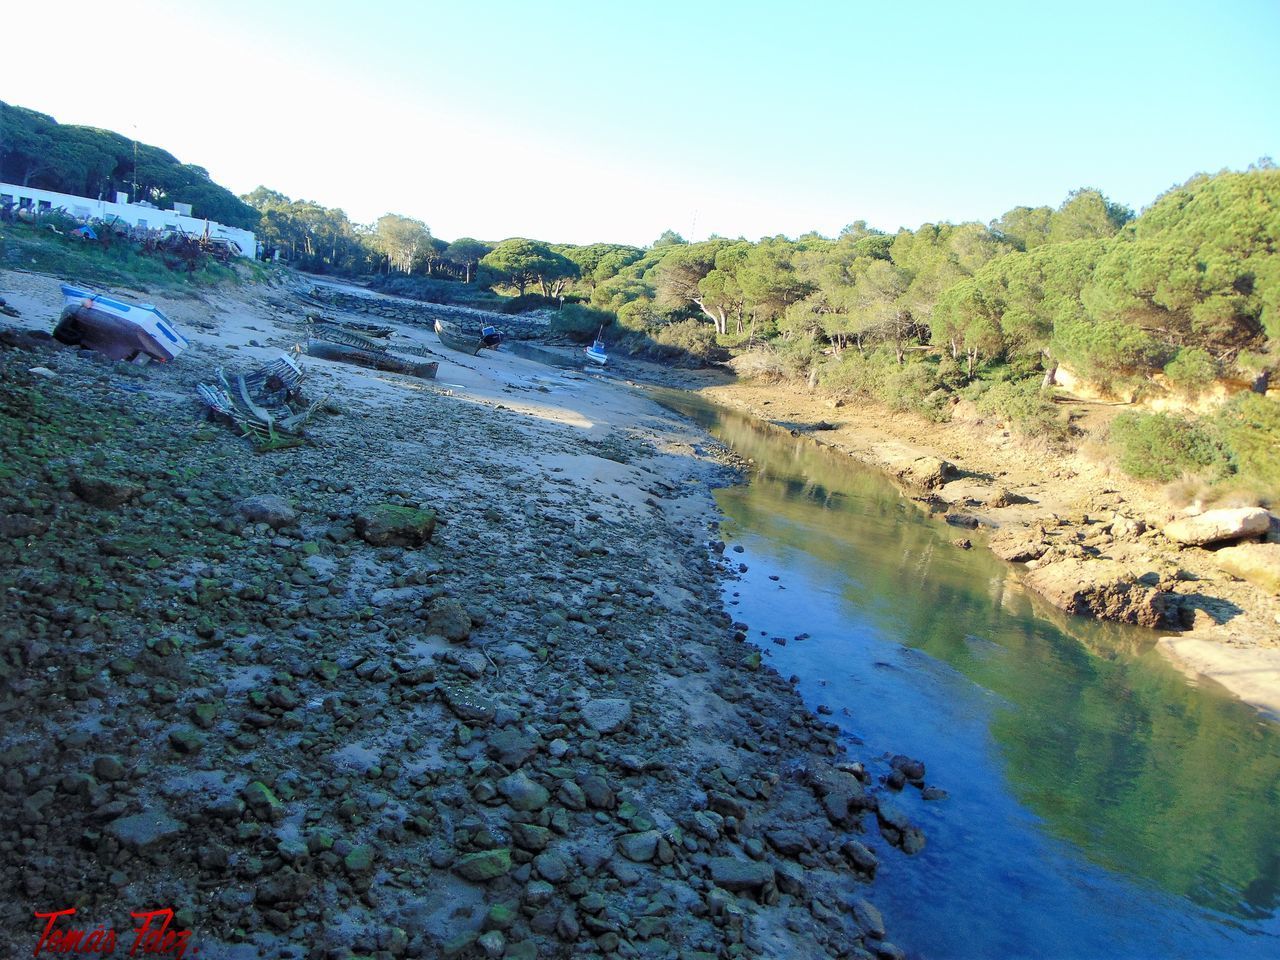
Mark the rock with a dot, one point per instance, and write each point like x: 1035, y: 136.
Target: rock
x: 571, y: 795
x: 913, y: 770
x: 285, y: 886
x: 790, y: 878
x: 394, y: 525
x: 608, y: 715
x: 262, y: 802
x: 860, y: 857
x: 1018, y: 544
x: 469, y: 705
x: 109, y: 768
x: 1256, y: 562
x: 492, y: 944
x: 737, y: 875
x: 1000, y: 497
x: 185, y: 740
x: 142, y: 831
x: 567, y: 926
x: 842, y: 794
x: 103, y: 491
x: 551, y: 867
x: 1124, y: 528
x: 707, y: 824
x: 510, y: 747
x: 639, y: 847
x: 1215, y: 526
x: 1104, y: 589
x: 538, y: 893
x: 450, y: 620
x: 927, y: 473
x: 597, y: 791
x: 789, y: 843
x: 897, y: 829
x: 868, y: 919
x: 485, y: 865
x: 458, y: 946
x: 530, y: 836
x: 267, y: 508
x: 522, y: 793
x: 359, y: 860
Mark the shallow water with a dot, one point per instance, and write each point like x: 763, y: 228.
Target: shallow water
x: 1100, y: 805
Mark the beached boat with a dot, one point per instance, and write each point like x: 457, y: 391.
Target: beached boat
x: 374, y: 359
x: 597, y: 353
x: 122, y: 331
x: 456, y: 338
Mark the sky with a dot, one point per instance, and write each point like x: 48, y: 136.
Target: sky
x: 577, y: 121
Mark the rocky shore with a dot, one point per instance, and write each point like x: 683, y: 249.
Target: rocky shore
x: 1088, y: 539
x: 453, y: 679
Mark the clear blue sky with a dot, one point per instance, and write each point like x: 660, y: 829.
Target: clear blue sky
x: 581, y: 121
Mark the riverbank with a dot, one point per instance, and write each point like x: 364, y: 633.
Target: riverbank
x: 1099, y: 519
x: 451, y: 679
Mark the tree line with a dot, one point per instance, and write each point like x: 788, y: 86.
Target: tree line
x: 1190, y: 289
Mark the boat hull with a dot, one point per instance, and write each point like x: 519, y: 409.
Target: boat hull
x: 118, y: 330
x: 598, y: 356
x: 455, y: 339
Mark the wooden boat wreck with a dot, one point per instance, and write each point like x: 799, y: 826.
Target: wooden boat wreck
x: 136, y: 333
x: 455, y: 337
x: 329, y: 342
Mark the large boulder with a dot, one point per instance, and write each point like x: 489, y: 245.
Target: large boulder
x: 607, y: 715
x: 1104, y: 589
x: 1019, y: 544
x: 737, y: 875
x: 104, y: 491
x: 1256, y: 562
x: 1217, y: 526
x: 142, y: 831
x: 927, y: 473
x: 267, y: 508
x: 449, y: 619
x: 395, y: 525
x: 485, y: 865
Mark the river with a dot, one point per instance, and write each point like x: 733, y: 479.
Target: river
x: 1100, y: 803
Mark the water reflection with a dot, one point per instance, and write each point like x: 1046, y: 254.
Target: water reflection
x: 1072, y: 733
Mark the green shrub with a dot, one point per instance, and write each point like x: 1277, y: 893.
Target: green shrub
x: 1192, y: 369
x: 639, y: 315
x: 1023, y: 405
x: 914, y: 386
x: 853, y: 372
x: 797, y: 355
x: 578, y: 322
x: 688, y: 341
x: 1249, y: 426
x: 1157, y: 446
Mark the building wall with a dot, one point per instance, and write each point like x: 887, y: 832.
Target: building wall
x: 135, y: 215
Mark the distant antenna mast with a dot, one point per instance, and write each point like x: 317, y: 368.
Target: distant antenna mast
x: 693, y: 228
x: 134, y: 196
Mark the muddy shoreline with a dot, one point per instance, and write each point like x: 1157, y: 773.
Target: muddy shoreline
x: 228, y: 690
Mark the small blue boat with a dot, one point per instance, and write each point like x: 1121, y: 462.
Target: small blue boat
x: 596, y: 351
x: 132, y: 332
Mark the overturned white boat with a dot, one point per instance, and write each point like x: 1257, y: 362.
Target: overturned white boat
x: 122, y: 331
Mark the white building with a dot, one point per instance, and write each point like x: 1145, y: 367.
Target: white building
x: 133, y: 214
